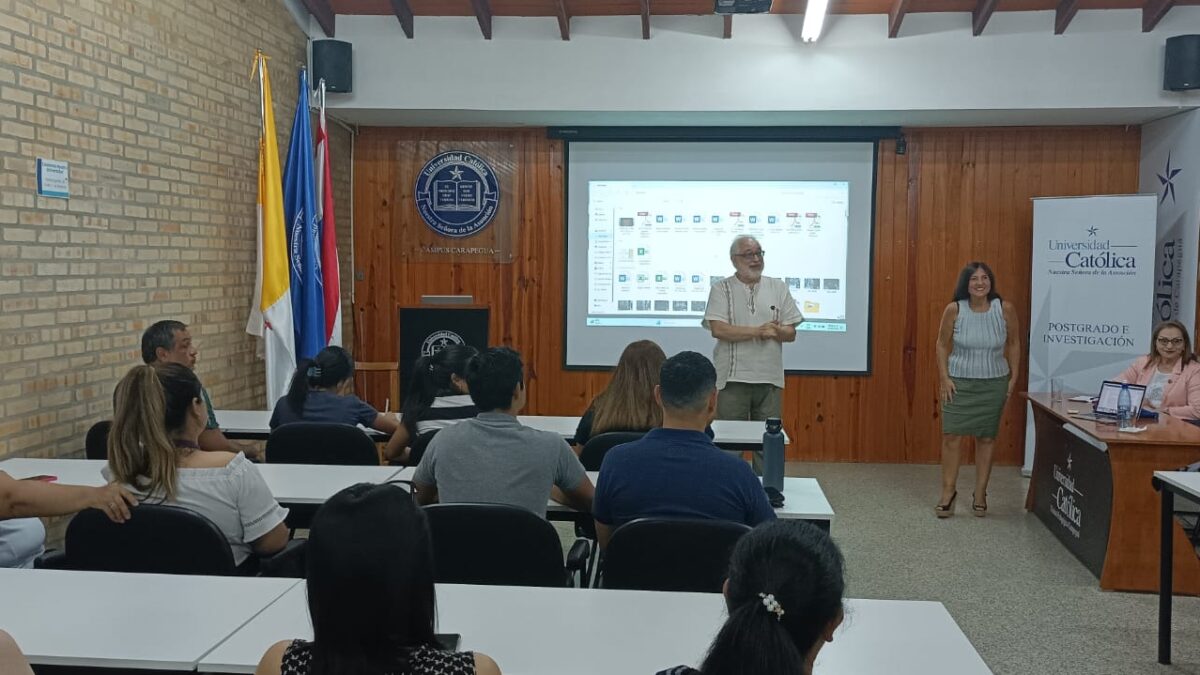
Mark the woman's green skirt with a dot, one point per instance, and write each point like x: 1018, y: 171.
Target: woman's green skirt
x: 975, y: 410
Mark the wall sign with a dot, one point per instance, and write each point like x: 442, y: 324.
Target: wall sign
x: 53, y: 179
x: 457, y: 194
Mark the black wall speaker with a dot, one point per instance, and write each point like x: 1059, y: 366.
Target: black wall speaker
x: 1181, y: 70
x: 334, y: 61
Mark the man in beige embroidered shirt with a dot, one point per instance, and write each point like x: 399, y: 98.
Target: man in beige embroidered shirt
x: 751, y: 316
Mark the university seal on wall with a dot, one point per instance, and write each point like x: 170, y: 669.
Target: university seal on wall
x: 439, y: 340
x: 457, y: 194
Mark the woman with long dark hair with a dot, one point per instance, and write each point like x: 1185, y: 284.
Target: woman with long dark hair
x: 978, y: 357
x: 370, y: 594
x: 438, y: 397
x: 322, y: 390
x: 1170, y: 372
x: 784, y: 596
x: 627, y: 403
x: 154, y: 450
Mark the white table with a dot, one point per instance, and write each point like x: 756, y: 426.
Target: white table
x: 290, y: 483
x: 102, y: 619
x: 1169, y: 483
x: 803, y: 499
x: 254, y: 424
x: 531, y: 631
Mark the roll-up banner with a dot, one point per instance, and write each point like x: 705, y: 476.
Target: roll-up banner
x: 1093, y: 275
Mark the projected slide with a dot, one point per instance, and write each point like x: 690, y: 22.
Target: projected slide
x: 654, y: 248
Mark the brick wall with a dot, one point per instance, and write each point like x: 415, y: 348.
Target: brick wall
x: 151, y: 103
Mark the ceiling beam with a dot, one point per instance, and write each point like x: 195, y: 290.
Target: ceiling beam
x: 564, y: 20
x: 645, y: 19
x: 981, y: 14
x: 483, y: 14
x: 404, y: 14
x: 728, y: 32
x: 323, y: 13
x: 896, y: 16
x: 1063, y: 14
x: 1153, y: 12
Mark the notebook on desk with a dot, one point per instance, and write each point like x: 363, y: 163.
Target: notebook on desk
x: 1105, y: 407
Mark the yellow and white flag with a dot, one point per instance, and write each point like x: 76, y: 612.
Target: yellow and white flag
x: 271, y: 306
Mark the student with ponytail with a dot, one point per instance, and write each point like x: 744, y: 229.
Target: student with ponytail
x: 153, y: 449
x: 784, y: 595
x: 438, y: 397
x: 322, y: 390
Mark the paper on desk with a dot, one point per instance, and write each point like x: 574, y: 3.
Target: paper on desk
x: 1131, y: 430
x: 1082, y: 399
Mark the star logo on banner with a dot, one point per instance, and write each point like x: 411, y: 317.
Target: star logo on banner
x: 456, y: 173
x: 1069, y: 461
x: 1092, y: 231
x: 1167, y: 180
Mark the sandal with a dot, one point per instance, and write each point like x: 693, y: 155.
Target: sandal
x: 979, y: 511
x: 946, y: 510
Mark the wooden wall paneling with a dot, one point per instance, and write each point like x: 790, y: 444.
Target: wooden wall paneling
x: 957, y: 195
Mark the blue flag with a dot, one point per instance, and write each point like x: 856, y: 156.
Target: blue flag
x: 304, y: 238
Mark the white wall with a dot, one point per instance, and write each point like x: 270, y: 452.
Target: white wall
x: 1103, y: 61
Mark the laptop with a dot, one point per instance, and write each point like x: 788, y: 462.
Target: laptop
x: 1105, y: 407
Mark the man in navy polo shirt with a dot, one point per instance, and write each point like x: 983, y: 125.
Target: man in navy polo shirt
x: 677, y: 471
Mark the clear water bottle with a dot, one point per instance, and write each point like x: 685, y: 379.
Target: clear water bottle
x: 773, y: 454
x: 1124, y: 407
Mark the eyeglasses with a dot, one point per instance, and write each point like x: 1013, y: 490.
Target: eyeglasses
x: 1173, y: 342
x: 751, y: 255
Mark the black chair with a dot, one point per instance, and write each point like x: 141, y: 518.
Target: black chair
x: 592, y: 455
x: 669, y: 554
x: 95, y: 444
x: 500, y: 545
x: 317, y: 443
x: 162, y: 539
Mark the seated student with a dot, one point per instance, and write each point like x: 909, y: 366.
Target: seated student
x: 22, y: 502
x: 171, y: 342
x: 784, y: 596
x: 12, y: 661
x: 1170, y: 372
x: 371, y: 596
x: 152, y: 448
x: 437, y: 398
x: 495, y: 459
x: 627, y: 403
x: 676, y: 471
x: 322, y: 391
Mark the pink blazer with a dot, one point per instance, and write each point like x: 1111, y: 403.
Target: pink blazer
x: 1181, y: 396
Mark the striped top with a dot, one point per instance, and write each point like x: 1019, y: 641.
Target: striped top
x: 979, y: 337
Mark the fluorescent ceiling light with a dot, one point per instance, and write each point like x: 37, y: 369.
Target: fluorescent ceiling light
x: 814, y: 20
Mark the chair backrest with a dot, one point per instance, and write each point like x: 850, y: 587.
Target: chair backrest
x: 494, y: 544
x: 319, y: 443
x: 392, y: 368
x: 95, y: 444
x: 592, y: 455
x: 669, y: 554
x: 156, y: 539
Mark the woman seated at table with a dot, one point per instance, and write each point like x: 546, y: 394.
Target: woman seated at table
x: 438, y: 397
x: 784, y: 596
x: 23, y: 502
x: 153, y: 448
x: 370, y: 593
x: 322, y: 391
x: 1170, y: 373
x: 627, y: 403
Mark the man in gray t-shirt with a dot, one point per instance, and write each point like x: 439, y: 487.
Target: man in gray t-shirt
x: 495, y: 459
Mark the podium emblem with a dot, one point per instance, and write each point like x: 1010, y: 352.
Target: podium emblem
x: 439, y: 340
x: 457, y: 194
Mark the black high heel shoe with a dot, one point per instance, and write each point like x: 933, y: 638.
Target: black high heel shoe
x: 946, y: 510
x: 979, y: 511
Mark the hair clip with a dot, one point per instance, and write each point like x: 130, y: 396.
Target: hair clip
x: 431, y: 367
x: 772, y: 605
x: 313, y: 372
